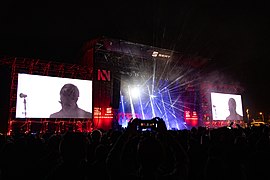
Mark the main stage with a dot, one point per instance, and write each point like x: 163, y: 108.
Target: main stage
x: 128, y: 80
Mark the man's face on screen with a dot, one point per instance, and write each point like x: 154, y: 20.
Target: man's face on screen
x: 232, y: 105
x: 67, y: 102
x: 69, y: 95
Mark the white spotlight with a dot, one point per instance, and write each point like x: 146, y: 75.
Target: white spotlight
x: 135, y: 92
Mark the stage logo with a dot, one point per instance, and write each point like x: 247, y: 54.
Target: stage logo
x: 104, y: 75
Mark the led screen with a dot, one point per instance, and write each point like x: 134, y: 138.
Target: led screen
x: 226, y: 106
x: 39, y: 97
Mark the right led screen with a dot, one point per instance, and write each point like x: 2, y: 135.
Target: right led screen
x: 226, y: 106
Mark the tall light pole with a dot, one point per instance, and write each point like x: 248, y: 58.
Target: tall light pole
x: 262, y: 116
x: 247, y: 111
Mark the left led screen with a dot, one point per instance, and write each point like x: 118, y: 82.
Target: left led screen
x: 39, y: 96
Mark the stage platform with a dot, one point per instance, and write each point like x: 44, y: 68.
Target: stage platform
x: 49, y: 126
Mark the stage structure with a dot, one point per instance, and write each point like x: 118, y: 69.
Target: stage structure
x: 41, y: 68
x: 127, y: 80
x: 144, y: 82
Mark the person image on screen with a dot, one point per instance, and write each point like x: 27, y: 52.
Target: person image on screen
x: 232, y: 108
x: 69, y: 95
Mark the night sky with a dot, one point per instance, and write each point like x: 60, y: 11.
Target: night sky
x: 233, y: 34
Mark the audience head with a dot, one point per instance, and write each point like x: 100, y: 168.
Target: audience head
x: 96, y: 135
x: 73, y: 146
x: 150, y: 152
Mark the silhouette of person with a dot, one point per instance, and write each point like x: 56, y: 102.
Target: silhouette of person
x: 232, y: 108
x: 73, y: 151
x: 69, y: 95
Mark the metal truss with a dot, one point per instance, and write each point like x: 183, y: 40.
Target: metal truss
x: 39, y: 67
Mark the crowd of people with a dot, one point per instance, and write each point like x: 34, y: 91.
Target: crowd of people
x: 128, y: 153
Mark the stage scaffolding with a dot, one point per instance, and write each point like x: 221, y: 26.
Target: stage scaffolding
x: 131, y: 62
x: 45, y: 68
x: 108, y: 61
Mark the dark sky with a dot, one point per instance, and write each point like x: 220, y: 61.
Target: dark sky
x: 234, y: 34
